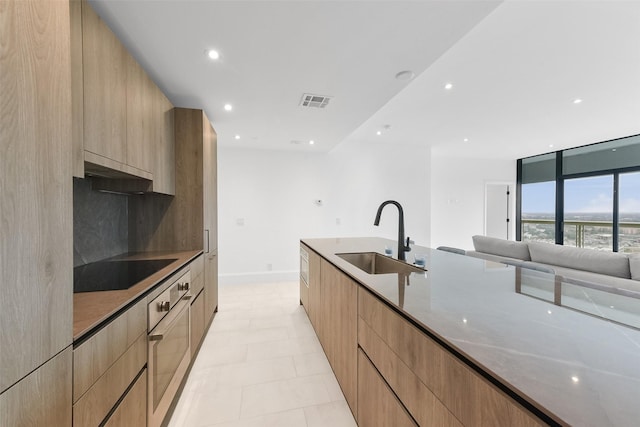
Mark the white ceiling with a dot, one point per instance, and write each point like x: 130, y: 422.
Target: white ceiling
x: 516, y: 68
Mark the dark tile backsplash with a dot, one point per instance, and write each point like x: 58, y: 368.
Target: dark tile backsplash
x: 100, y: 223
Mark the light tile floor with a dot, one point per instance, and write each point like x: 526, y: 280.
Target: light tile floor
x: 261, y: 364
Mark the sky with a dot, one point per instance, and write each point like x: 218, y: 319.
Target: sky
x: 584, y: 195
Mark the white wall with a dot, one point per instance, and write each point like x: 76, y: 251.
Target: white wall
x: 457, y: 196
x: 275, y: 193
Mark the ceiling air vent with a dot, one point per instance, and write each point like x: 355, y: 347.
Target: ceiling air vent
x: 314, y: 101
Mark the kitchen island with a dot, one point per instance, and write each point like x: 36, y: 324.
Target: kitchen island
x: 543, y: 351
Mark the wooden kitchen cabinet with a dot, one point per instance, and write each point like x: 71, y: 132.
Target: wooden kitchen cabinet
x: 163, y: 145
x: 36, y: 208
x: 314, y: 290
x: 140, y: 124
x: 104, y: 61
x: 432, y: 383
x: 106, y: 364
x: 197, y: 322
x: 132, y: 410
x: 339, y: 331
x: 377, y: 405
x: 43, y: 398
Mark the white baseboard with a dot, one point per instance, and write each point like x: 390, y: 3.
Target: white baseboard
x: 260, y: 277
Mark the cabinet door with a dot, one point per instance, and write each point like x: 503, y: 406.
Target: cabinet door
x: 197, y: 322
x: 140, y: 126
x: 43, y: 398
x: 314, y: 291
x: 104, y: 61
x: 36, y: 229
x: 164, y: 172
x: 210, y: 285
x: 377, y: 405
x: 339, y: 314
x: 132, y: 410
x: 210, y: 187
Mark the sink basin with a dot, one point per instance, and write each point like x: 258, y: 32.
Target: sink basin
x: 375, y: 263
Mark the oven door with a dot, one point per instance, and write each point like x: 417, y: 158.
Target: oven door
x: 169, y: 356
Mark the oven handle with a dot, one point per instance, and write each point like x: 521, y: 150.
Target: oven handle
x: 166, y: 324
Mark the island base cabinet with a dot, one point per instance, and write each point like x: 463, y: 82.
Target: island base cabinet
x: 43, y: 398
x: 377, y: 405
x: 339, y: 331
x: 132, y: 410
x: 403, y: 354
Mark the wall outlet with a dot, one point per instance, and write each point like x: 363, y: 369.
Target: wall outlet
x: 269, y: 267
x: 240, y: 221
x: 338, y: 221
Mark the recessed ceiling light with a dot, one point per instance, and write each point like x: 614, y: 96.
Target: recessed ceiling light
x: 237, y: 136
x: 405, y: 75
x: 577, y: 101
x: 466, y: 140
x: 379, y: 132
x: 311, y: 142
x: 550, y: 145
x: 228, y: 107
x: 213, y: 54
x: 575, y: 379
x: 448, y: 86
x: 613, y: 149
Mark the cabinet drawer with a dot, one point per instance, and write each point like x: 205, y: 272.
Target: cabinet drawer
x: 421, y: 403
x: 468, y: 396
x: 91, y: 409
x: 377, y: 405
x: 197, y: 266
x: 92, y: 358
x: 132, y: 410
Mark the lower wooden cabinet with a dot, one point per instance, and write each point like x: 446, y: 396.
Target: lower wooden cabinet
x: 210, y: 285
x: 132, y: 410
x: 95, y: 405
x: 197, y: 322
x: 377, y: 405
x: 413, y: 364
x: 42, y: 398
x: 339, y: 332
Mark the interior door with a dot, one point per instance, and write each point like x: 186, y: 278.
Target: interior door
x: 499, y: 204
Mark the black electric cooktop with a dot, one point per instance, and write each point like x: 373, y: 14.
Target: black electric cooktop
x: 114, y: 275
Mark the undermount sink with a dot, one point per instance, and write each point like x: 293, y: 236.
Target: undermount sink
x: 375, y: 263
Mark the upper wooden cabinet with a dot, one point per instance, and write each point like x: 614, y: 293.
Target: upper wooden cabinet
x: 163, y: 144
x: 36, y: 223
x: 139, y: 124
x: 123, y: 123
x: 104, y: 61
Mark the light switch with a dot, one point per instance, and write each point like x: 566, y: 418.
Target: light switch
x: 240, y: 221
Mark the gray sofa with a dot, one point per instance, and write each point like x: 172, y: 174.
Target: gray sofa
x: 613, y: 269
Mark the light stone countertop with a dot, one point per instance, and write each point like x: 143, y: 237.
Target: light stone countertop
x: 91, y: 309
x: 577, y: 368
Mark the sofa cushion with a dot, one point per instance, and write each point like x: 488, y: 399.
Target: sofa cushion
x: 634, y: 266
x: 501, y: 247
x: 609, y: 263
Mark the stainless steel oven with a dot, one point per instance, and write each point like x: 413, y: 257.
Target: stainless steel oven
x: 169, y: 346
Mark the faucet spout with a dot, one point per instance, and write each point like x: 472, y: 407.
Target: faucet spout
x: 402, y: 248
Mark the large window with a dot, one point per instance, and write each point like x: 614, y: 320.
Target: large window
x: 588, y: 212
x: 629, y: 212
x: 587, y: 196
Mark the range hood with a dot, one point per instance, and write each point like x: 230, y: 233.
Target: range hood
x: 108, y: 180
